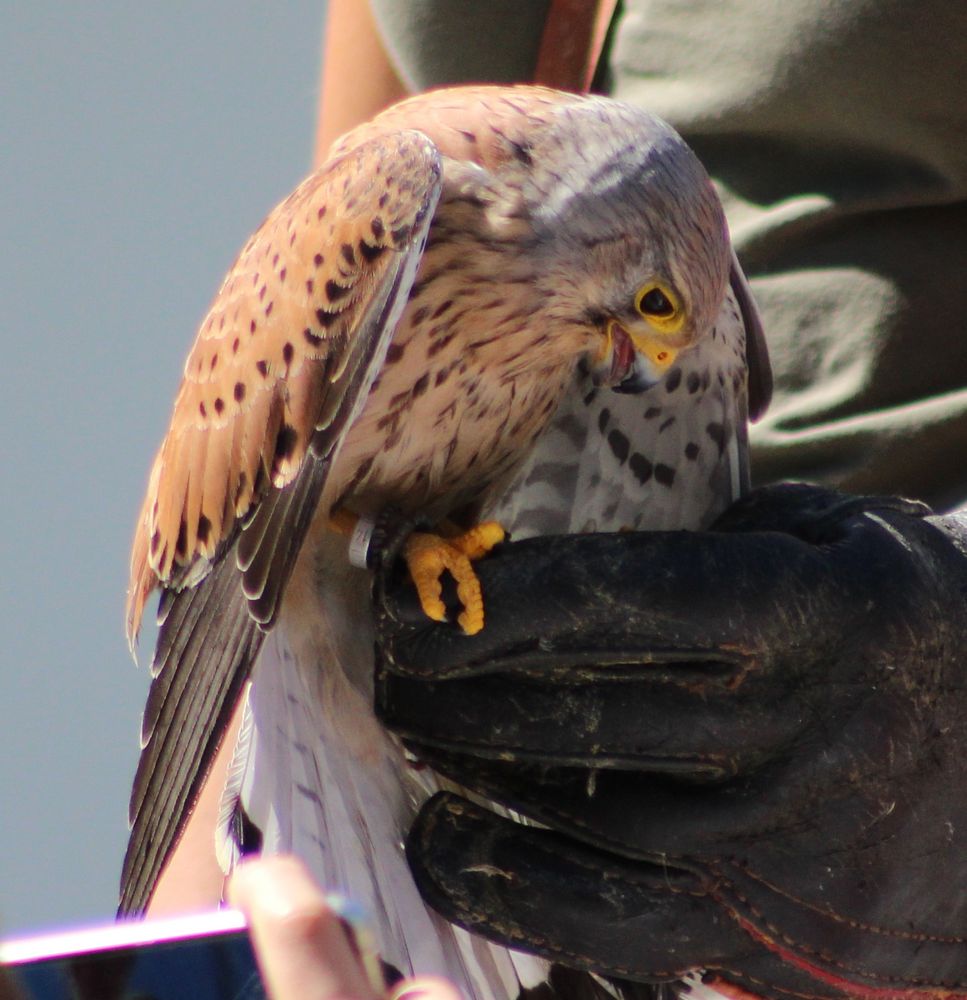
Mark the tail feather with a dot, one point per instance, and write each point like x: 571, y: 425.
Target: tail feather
x: 317, y: 774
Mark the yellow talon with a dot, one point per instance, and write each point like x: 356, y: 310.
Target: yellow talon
x: 479, y: 540
x: 429, y: 555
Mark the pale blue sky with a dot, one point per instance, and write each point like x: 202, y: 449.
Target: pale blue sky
x: 139, y: 145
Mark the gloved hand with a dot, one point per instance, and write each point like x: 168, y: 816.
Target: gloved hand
x: 748, y: 746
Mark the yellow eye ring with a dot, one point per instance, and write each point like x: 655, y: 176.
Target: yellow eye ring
x: 660, y: 306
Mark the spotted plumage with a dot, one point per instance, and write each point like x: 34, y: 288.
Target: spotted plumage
x: 670, y: 457
x: 435, y: 320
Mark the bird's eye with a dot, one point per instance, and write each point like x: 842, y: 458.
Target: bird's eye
x: 660, y: 306
x: 656, y: 303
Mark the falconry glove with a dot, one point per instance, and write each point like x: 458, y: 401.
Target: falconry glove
x: 745, y: 748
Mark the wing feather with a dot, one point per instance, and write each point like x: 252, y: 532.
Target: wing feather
x: 279, y: 526
x: 756, y: 350
x: 177, y: 754
x: 292, y: 312
x: 255, y: 468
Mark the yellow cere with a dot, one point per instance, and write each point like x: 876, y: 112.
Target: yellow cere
x: 658, y: 353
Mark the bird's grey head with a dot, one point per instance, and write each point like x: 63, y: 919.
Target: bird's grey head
x: 632, y: 234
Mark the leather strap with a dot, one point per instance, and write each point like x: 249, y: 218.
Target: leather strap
x: 571, y: 44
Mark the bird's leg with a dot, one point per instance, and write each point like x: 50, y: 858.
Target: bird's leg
x: 428, y: 555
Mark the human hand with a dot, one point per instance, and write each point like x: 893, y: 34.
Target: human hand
x: 301, y: 945
x: 748, y: 745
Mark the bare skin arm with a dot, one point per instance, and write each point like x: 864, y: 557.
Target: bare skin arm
x: 347, y: 95
x: 193, y: 880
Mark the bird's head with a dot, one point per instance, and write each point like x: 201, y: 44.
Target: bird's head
x: 639, y: 243
x: 641, y: 340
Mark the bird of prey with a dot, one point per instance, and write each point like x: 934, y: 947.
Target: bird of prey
x: 496, y: 299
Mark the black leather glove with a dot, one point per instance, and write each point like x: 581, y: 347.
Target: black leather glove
x: 748, y: 746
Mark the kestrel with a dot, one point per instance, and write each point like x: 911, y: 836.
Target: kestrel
x: 455, y: 293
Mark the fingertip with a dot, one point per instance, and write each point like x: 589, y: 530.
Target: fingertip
x: 425, y: 988
x: 300, y: 942
x: 277, y: 883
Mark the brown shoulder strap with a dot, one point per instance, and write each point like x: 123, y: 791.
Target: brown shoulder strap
x: 571, y: 44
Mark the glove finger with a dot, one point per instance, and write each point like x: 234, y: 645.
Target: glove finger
x: 535, y: 891
x: 591, y: 605
x: 642, y: 816
x: 670, y: 613
x: 655, y: 920
x: 574, y: 605
x: 676, y: 726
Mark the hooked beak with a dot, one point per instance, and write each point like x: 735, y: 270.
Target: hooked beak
x: 631, y: 362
